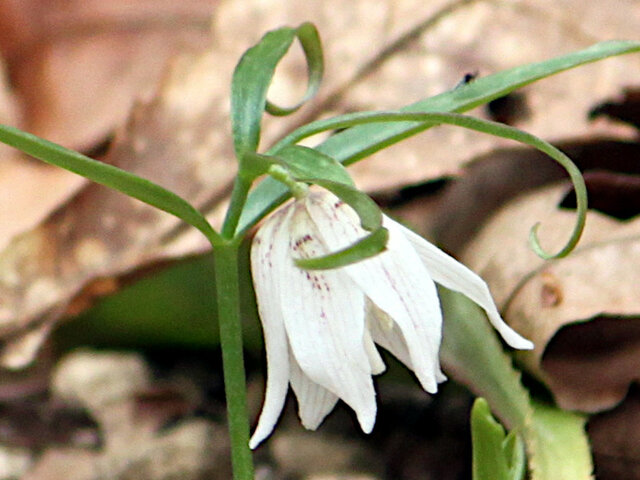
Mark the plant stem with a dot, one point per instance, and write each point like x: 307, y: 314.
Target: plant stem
x: 238, y: 198
x: 229, y: 318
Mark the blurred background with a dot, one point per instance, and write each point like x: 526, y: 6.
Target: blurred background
x: 109, y: 350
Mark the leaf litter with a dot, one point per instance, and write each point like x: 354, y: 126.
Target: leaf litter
x: 177, y: 135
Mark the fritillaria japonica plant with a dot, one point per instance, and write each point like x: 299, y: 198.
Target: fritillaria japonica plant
x: 334, y: 278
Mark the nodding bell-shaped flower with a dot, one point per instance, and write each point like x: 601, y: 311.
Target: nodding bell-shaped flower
x: 321, y: 327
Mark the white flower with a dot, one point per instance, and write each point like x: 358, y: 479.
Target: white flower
x: 321, y: 327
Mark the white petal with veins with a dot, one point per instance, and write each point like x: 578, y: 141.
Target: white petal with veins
x: 268, y: 255
x: 397, y: 282
x: 453, y: 275
x: 328, y: 349
x: 314, y: 402
x: 322, y: 326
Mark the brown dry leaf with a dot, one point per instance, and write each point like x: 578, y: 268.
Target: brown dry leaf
x: 586, y: 367
x: 491, y: 180
x: 178, y: 140
x: 28, y: 191
x: 388, y: 54
x: 76, y: 68
x: 8, y: 107
x: 79, y: 65
x: 615, y: 439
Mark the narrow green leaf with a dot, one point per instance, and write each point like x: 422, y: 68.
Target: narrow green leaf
x: 312, y: 47
x: 487, y: 435
x: 367, y: 247
x: 253, y: 165
x: 253, y: 75
x: 515, y: 454
x: 479, y: 125
x: 109, y: 176
x: 357, y: 119
x: 369, y: 213
x: 302, y: 164
x: 305, y: 162
x: 359, y: 142
x: 251, y: 79
x: 354, y: 144
x: 471, y: 354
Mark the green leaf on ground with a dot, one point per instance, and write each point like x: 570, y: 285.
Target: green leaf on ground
x: 471, y: 353
x: 496, y: 455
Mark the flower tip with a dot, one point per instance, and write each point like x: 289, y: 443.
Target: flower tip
x: 520, y: 343
x: 513, y: 338
x: 431, y: 387
x: 526, y: 345
x: 259, y: 436
x: 368, y: 427
x: 367, y: 420
x: 255, y: 441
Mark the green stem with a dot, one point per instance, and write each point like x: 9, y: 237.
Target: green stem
x: 229, y: 318
x: 298, y: 189
x: 238, y: 198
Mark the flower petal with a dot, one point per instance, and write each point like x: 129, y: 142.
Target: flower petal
x: 314, y: 402
x: 391, y: 339
x: 324, y: 317
x: 269, y: 251
x: 388, y: 336
x: 455, y: 276
x: 396, y: 281
x: 375, y: 360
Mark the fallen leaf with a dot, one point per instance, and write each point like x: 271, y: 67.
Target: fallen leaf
x: 489, y: 181
x: 178, y: 140
x: 583, y: 365
x: 389, y: 54
x: 625, y: 109
x: 8, y: 102
x: 79, y: 66
x: 28, y: 190
x: 615, y: 440
x: 592, y: 364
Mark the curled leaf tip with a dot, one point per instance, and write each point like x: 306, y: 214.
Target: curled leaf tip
x: 566, y: 250
x: 534, y: 241
x: 581, y: 214
x: 312, y: 47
